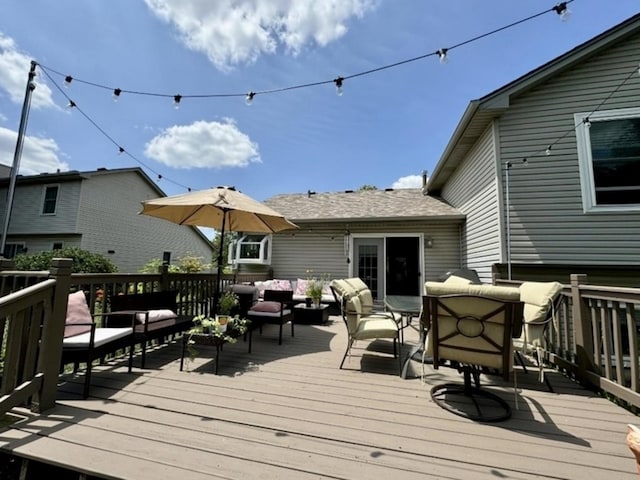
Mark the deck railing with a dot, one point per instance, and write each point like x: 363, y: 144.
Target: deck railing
x: 594, y: 336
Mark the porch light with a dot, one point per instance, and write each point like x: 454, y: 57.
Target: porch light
x: 442, y: 55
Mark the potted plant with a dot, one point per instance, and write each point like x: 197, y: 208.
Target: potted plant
x: 209, y: 331
x: 226, y: 305
x: 314, y: 290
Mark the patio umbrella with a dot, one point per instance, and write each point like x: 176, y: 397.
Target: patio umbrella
x: 222, y: 208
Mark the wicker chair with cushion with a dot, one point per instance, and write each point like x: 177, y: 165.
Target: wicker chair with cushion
x: 275, y: 309
x: 472, y: 333
x: 84, y: 342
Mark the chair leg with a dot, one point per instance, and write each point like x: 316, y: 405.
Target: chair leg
x: 143, y: 358
x: 292, y: 334
x: 280, y: 335
x: 521, y: 361
x: 349, y: 344
x: 87, y: 379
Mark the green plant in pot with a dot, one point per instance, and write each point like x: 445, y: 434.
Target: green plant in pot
x: 228, y: 302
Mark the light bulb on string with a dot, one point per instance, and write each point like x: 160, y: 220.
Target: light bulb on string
x: 338, y: 81
x: 67, y: 81
x: 71, y: 104
x: 562, y: 10
x: 548, y: 151
x: 442, y: 55
x: 249, y: 98
x: 120, y: 150
x: 116, y: 94
x: 176, y: 101
x: 587, y: 122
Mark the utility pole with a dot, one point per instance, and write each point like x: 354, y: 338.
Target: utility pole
x: 24, y: 117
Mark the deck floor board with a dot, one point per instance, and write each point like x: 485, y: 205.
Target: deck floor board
x: 288, y: 412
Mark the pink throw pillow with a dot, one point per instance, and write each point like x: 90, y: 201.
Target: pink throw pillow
x: 266, y: 307
x: 77, y: 312
x: 301, y: 287
x: 281, y: 285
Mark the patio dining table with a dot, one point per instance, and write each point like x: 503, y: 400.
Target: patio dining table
x: 408, y: 306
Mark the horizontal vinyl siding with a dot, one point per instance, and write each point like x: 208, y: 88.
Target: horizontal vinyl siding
x: 472, y: 189
x: 313, y: 248
x: 27, y: 218
x: 547, y: 220
x: 109, y: 220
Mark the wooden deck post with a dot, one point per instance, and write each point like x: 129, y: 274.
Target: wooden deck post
x: 582, y: 328
x: 52, y: 335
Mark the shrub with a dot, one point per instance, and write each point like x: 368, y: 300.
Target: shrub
x: 83, y: 261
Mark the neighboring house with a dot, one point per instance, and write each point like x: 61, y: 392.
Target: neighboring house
x: 393, y: 239
x: 96, y: 211
x: 574, y: 208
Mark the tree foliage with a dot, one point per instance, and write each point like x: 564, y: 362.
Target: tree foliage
x: 368, y: 187
x: 83, y: 260
x: 186, y: 264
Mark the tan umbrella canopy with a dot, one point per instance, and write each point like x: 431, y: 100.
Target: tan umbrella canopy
x: 222, y: 208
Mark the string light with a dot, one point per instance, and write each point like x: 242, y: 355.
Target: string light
x: 587, y: 122
x: 338, y: 81
x: 548, y: 151
x: 562, y: 10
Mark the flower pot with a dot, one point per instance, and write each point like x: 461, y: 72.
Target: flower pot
x: 316, y: 303
x: 223, y: 320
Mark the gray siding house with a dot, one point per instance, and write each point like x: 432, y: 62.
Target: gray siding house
x: 96, y: 211
x: 393, y: 239
x: 546, y: 169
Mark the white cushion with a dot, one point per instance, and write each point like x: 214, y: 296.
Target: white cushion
x: 103, y: 335
x: 375, y: 327
x: 537, y: 297
x: 155, y: 315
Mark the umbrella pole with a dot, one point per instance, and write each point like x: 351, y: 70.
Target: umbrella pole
x: 216, y: 294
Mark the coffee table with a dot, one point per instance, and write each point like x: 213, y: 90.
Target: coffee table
x: 312, y: 314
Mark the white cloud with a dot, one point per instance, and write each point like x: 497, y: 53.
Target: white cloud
x: 203, y: 145
x: 232, y: 32
x: 39, y: 155
x: 14, y: 69
x: 410, y: 181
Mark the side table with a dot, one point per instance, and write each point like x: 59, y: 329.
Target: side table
x: 312, y: 314
x: 210, y: 340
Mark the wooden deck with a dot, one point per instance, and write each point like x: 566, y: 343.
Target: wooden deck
x: 288, y: 412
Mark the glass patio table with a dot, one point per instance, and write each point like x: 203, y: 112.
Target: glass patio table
x: 408, y: 306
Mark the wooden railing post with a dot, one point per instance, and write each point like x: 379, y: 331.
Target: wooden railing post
x: 582, y: 328
x: 164, y: 278
x: 52, y: 335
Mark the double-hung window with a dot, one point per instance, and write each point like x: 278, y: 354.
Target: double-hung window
x: 50, y: 199
x: 609, y: 158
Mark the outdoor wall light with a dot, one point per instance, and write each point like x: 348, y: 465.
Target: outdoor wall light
x: 428, y: 242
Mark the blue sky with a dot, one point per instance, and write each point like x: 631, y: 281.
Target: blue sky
x: 384, y: 130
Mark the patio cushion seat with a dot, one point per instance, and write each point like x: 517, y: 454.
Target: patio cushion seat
x: 275, y: 308
x: 102, y: 337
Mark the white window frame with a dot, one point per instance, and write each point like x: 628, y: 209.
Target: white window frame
x: 264, y: 257
x: 585, y: 159
x: 44, y: 197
